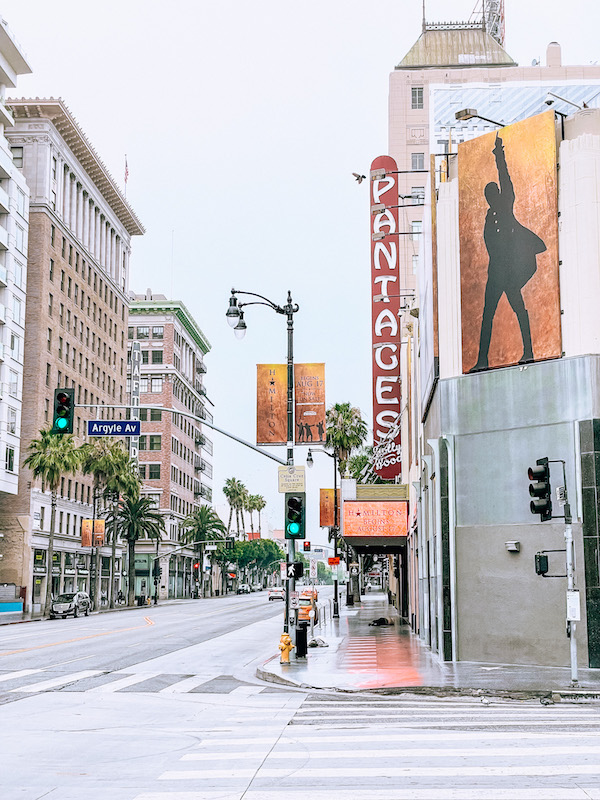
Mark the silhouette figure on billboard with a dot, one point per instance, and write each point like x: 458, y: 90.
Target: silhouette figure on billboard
x: 512, y: 250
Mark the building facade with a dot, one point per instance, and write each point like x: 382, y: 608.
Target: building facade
x: 175, y: 454
x: 80, y: 229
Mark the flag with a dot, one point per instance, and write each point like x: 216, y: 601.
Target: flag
x: 126, y: 170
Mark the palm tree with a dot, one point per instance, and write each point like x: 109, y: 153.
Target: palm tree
x: 134, y: 520
x: 50, y: 457
x: 202, y: 525
x: 105, y: 460
x: 346, y: 430
x: 258, y: 503
x: 236, y: 494
x: 125, y: 481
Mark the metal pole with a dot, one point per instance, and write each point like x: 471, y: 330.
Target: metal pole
x: 336, y: 607
x: 570, y: 586
x: 291, y: 582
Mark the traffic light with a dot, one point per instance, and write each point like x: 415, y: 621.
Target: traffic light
x: 156, y: 569
x: 229, y: 542
x: 306, y: 546
x: 295, y: 515
x: 540, y: 489
x: 64, y: 411
x: 541, y: 564
x: 196, y: 569
x: 295, y: 569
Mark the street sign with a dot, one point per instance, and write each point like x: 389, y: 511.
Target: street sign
x: 116, y: 427
x: 573, y: 606
x: 333, y: 560
x: 294, y: 599
x: 210, y: 547
x: 283, y: 570
x: 291, y: 479
x: 313, y: 569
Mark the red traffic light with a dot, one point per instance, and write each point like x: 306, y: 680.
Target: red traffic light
x: 306, y: 547
x: 196, y: 566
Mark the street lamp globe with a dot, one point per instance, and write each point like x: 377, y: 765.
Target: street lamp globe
x: 240, y: 328
x: 233, y: 312
x: 309, y: 459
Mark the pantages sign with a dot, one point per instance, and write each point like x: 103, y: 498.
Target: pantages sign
x: 385, y: 305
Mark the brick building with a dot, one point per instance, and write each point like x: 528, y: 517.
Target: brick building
x: 80, y: 228
x: 174, y: 453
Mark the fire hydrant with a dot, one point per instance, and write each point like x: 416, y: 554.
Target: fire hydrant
x: 285, y: 645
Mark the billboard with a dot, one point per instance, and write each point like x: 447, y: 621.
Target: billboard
x: 385, y: 306
x: 97, y: 538
x: 309, y: 403
x: 375, y: 519
x: 508, y: 229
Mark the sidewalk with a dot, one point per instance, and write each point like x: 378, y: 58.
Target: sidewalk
x: 361, y: 657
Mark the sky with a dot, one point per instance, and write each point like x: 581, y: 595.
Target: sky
x: 242, y: 123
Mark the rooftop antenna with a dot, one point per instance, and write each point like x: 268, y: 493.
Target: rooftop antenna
x: 424, y: 23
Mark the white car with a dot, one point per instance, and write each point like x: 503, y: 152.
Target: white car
x: 276, y: 593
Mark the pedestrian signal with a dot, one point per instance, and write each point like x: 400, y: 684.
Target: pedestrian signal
x: 540, y: 489
x: 541, y: 563
x: 294, y: 515
x: 64, y: 411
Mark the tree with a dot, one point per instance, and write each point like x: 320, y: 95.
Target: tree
x: 50, y: 457
x: 104, y: 459
x: 360, y: 466
x: 236, y: 494
x: 202, y: 525
x: 346, y: 430
x: 134, y: 520
x: 256, y: 502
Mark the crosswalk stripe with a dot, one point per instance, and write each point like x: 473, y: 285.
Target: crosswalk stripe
x: 482, y: 793
x: 410, y: 753
x: 19, y: 674
x: 247, y: 690
x: 54, y: 682
x: 546, y: 770
x: 479, y: 712
x: 186, y: 684
x: 410, y: 722
x: 123, y: 683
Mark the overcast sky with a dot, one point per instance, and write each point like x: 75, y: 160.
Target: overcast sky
x: 242, y: 123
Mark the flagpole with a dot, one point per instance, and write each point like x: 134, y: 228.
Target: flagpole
x: 126, y: 175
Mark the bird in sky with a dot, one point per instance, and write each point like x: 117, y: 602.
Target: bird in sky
x: 359, y: 178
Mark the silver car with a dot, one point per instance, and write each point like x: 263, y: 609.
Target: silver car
x: 75, y: 603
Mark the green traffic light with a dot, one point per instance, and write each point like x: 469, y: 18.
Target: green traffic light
x: 293, y: 527
x: 61, y: 422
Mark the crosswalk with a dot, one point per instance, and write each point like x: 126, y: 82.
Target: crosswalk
x: 94, y: 681
x: 395, y: 748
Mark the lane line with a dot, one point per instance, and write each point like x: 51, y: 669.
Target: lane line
x: 62, y: 663
x: 53, y: 682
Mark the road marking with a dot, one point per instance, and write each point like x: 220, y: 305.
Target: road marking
x: 543, y: 770
x: 10, y: 675
x: 62, y: 663
x: 247, y: 690
x: 188, y: 683
x: 122, y: 683
x: 76, y: 639
x: 53, y: 682
x: 591, y: 793
x: 412, y: 752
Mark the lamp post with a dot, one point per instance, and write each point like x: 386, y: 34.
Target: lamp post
x: 471, y: 113
x: 336, y: 523
x: 235, y: 318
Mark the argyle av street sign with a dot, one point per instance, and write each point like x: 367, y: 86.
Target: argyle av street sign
x: 115, y: 427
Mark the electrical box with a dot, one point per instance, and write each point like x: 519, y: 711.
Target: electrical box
x: 541, y: 563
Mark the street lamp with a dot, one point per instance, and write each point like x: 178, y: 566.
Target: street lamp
x: 336, y: 524
x: 235, y: 318
x: 471, y: 113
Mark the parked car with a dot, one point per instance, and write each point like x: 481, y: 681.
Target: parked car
x: 243, y: 588
x: 308, y: 603
x: 75, y: 603
x: 257, y: 587
x: 276, y: 593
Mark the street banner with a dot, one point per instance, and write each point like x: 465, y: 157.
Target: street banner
x: 385, y: 306
x: 309, y: 394
x: 95, y: 539
x: 136, y: 371
x: 327, y: 508
x: 375, y: 519
x: 271, y: 404
x: 508, y: 232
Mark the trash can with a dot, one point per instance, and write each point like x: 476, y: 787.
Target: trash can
x: 142, y: 600
x: 302, y: 640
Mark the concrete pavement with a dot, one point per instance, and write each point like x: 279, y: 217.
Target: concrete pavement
x: 360, y: 657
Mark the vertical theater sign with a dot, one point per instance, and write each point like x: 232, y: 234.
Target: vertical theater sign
x: 385, y: 305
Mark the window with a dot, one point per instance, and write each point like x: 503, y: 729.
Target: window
x: 144, y: 356
x: 155, y: 415
x: 9, y: 462
x: 63, y: 248
x: 17, y: 310
x: 417, y: 161
x: 154, y: 442
x: 154, y: 472
x: 17, y: 154
x: 18, y: 274
x: 158, y: 332
x: 48, y: 372
x: 20, y: 202
x: 157, y: 356
x: 415, y: 264
x: 142, y: 471
x: 418, y: 194
x: 156, y: 385
x: 415, y: 229
x: 13, y: 383
x: 15, y: 347
x: 50, y: 299
x: 61, y: 314
x: 143, y: 385
x: 11, y: 420
x: 20, y: 237
x: 416, y: 97
x: 130, y: 333
x: 143, y: 332
x: 143, y: 442
x: 143, y: 414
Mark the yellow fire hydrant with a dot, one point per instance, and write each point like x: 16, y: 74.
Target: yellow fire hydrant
x: 286, y: 646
